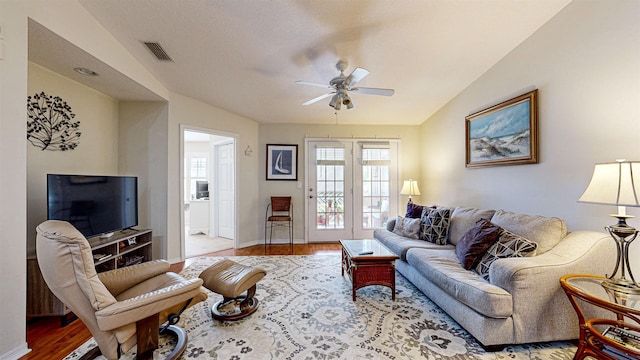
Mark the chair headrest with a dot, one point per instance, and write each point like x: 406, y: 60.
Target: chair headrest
x: 61, y: 231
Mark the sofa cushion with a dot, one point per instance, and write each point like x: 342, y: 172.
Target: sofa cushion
x: 544, y: 231
x: 442, y: 268
x: 476, y: 242
x: 508, y: 245
x: 400, y: 244
x: 407, y: 227
x: 435, y: 224
x: 464, y: 218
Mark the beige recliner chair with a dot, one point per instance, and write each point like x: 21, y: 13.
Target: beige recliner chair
x: 120, y: 307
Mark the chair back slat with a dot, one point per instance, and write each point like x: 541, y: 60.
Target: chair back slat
x: 280, y: 203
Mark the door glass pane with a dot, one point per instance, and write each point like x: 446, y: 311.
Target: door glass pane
x: 375, y: 187
x: 330, y: 185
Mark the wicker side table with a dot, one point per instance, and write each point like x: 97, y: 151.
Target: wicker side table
x: 376, y: 267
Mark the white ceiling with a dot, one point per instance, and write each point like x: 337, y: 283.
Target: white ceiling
x: 244, y: 56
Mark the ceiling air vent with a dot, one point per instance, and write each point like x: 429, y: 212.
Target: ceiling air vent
x: 157, y: 50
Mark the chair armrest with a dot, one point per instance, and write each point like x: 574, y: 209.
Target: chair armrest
x: 119, y: 280
x: 140, y: 307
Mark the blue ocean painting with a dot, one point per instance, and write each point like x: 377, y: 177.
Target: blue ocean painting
x: 509, y: 121
x: 503, y: 134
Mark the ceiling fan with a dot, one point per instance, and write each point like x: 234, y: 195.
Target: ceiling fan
x: 342, y: 85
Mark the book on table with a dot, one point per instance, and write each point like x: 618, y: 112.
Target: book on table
x: 625, y: 337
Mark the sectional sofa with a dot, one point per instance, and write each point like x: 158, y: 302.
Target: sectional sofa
x: 511, y: 293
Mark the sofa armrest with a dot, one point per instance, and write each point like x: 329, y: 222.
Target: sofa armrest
x: 540, y: 306
x: 140, y: 307
x: 119, y: 280
x: 586, y: 252
x: 391, y: 223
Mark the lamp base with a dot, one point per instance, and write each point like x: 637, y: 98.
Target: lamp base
x: 621, y: 285
x: 622, y: 292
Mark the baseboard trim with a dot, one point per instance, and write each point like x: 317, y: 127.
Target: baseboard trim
x: 16, y: 353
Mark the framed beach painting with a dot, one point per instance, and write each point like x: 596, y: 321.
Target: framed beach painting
x: 504, y: 134
x: 282, y: 162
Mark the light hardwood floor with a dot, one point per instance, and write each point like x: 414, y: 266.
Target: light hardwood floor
x: 47, y: 340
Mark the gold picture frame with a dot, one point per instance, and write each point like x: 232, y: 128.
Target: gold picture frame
x: 504, y: 134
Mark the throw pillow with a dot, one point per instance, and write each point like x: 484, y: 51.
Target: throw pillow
x: 475, y: 243
x: 508, y: 245
x: 407, y: 227
x: 435, y: 224
x: 414, y: 211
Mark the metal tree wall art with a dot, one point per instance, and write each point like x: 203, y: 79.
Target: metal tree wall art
x: 50, y: 125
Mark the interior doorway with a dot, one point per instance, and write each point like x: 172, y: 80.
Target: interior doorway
x: 208, y: 191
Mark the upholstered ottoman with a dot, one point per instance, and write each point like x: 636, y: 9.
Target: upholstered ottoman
x: 231, y: 280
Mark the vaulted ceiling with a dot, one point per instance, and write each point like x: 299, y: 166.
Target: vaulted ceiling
x: 244, y: 56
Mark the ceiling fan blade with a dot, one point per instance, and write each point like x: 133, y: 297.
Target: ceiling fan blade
x: 355, y: 76
x: 374, y: 91
x: 316, y: 99
x: 309, y: 83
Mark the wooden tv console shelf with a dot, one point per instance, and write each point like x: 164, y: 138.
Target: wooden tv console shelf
x: 123, y: 248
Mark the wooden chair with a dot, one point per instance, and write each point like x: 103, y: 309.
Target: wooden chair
x: 279, y: 213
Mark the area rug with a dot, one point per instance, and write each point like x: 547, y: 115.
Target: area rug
x: 306, y: 312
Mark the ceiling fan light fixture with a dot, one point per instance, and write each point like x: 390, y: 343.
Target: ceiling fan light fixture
x: 342, y: 84
x: 346, y: 100
x: 337, y: 105
x: 334, y: 101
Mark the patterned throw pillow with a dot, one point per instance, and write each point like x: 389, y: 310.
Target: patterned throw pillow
x: 435, y: 224
x: 407, y: 227
x: 508, y: 245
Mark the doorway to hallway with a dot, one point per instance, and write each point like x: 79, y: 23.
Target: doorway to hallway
x: 208, y: 191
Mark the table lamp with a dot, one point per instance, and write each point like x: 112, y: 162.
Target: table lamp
x: 410, y: 187
x: 617, y: 183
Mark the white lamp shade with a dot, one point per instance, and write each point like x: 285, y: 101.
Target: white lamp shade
x: 410, y: 187
x: 614, y: 184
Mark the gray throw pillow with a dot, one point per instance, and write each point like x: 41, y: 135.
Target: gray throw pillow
x: 407, y: 227
x: 435, y: 224
x: 508, y: 245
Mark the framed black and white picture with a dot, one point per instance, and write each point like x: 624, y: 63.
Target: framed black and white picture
x: 282, y: 162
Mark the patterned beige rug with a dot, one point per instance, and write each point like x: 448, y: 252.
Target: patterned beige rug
x: 306, y: 312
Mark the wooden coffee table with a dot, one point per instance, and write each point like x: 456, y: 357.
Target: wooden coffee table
x: 376, y: 268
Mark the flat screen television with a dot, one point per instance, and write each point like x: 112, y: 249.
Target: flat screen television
x: 95, y: 205
x: 202, y: 189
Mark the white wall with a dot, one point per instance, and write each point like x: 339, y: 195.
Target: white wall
x: 13, y: 180
x: 187, y: 111
x: 142, y: 144
x: 295, y: 134
x: 586, y: 64
x: 69, y: 20
x: 97, y: 150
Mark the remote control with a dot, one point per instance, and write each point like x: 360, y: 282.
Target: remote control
x: 365, y: 253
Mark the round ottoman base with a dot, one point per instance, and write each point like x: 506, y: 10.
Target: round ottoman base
x: 243, y: 306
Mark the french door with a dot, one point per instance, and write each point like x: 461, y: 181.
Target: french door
x: 351, y: 187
